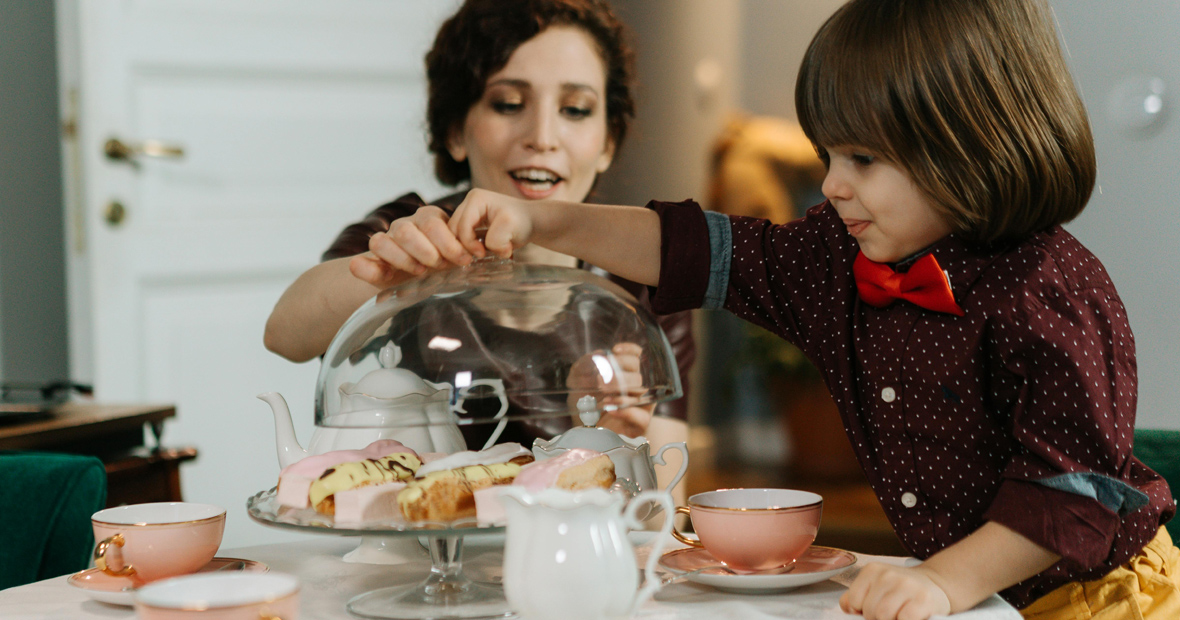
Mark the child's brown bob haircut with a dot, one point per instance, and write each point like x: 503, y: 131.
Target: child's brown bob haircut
x: 971, y: 97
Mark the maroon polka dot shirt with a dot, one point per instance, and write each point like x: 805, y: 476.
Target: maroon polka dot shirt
x: 1020, y: 412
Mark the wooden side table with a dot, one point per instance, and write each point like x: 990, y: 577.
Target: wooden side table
x: 136, y: 473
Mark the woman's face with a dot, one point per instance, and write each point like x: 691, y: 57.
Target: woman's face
x: 539, y: 131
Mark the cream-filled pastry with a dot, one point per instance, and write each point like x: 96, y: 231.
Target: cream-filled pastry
x: 499, y: 453
x: 450, y: 494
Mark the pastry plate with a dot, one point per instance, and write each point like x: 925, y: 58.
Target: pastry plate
x: 264, y: 508
x: 105, y: 588
x: 817, y: 564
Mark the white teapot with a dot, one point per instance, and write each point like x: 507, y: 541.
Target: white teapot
x: 387, y: 403
x: 567, y: 554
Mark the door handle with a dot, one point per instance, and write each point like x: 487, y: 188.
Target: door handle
x: 117, y: 150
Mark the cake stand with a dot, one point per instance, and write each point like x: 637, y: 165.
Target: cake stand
x: 446, y: 592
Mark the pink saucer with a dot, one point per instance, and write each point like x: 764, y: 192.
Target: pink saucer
x: 121, y: 591
x: 815, y: 565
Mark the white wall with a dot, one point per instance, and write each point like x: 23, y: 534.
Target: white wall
x: 1131, y: 222
x: 688, y: 75
x: 775, y: 35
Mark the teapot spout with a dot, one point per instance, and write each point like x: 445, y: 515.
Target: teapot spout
x: 286, y: 443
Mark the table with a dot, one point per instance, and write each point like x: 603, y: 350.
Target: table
x: 328, y: 583
x: 114, y: 433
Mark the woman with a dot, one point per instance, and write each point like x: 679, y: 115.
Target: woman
x: 530, y: 99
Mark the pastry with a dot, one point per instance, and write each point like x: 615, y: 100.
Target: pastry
x: 574, y: 470
x: 372, y: 502
x: 295, y: 480
x: 499, y: 453
x: 450, y: 494
x: 443, y: 490
x: 399, y: 466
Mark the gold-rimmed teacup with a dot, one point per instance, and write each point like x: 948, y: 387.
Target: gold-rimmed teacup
x: 751, y: 530
x: 147, y: 542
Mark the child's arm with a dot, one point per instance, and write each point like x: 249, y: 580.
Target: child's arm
x: 622, y: 240
x: 952, y: 580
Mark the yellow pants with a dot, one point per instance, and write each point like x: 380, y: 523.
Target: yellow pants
x: 1145, y: 588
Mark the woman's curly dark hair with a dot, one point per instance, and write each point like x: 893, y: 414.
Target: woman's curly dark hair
x: 478, y: 40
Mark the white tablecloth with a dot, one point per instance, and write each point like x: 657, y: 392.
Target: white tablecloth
x: 327, y: 583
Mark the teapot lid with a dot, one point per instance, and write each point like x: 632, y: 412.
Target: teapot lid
x: 389, y: 381
x: 505, y: 340
x: 592, y: 437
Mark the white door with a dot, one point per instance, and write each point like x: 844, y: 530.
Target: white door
x: 294, y: 117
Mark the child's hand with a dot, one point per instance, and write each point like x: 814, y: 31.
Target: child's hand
x: 508, y: 220
x: 412, y: 245
x: 885, y: 592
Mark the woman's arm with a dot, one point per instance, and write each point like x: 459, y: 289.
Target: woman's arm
x: 313, y: 308
x: 952, y: 580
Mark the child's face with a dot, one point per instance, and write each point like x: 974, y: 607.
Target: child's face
x: 539, y: 130
x: 880, y: 205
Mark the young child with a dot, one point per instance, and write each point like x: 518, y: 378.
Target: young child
x: 981, y: 359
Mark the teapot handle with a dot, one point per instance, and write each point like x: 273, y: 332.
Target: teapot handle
x: 658, y: 459
x: 498, y: 386
x: 652, y: 581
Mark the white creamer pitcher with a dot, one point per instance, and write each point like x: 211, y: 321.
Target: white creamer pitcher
x: 567, y: 554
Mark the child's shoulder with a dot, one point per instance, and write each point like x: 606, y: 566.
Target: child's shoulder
x: 1051, y: 268
x: 1067, y: 261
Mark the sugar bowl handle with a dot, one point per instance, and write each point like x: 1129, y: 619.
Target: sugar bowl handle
x: 658, y: 459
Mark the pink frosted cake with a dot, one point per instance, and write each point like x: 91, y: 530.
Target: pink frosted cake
x: 575, y: 470
x: 308, y: 482
x: 372, y: 502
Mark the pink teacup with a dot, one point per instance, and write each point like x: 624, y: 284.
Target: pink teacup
x: 752, y: 530
x: 213, y: 596
x: 146, y: 542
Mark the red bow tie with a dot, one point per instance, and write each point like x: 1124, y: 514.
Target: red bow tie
x: 923, y: 285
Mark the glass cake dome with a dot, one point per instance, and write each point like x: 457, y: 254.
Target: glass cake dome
x: 490, y: 343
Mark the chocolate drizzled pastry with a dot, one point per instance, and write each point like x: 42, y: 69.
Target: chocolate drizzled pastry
x: 394, y: 467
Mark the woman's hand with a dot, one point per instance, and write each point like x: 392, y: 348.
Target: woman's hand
x: 412, y: 245
x: 508, y: 221
x: 885, y: 592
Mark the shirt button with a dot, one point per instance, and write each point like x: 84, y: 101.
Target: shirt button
x: 888, y: 395
x: 909, y: 500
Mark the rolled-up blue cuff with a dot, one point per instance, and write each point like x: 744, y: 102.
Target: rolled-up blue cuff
x: 721, y: 254
x: 1116, y: 495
